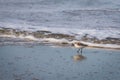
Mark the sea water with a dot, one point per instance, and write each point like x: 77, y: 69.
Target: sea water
x: 94, y: 17
x: 75, y: 17
x: 57, y: 63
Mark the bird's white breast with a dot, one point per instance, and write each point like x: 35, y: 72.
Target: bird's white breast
x: 77, y: 46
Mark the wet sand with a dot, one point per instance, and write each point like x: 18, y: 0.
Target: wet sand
x: 57, y: 63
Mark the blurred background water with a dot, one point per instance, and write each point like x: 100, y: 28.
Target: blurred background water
x: 66, y: 16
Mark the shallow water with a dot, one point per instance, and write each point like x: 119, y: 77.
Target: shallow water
x: 56, y: 63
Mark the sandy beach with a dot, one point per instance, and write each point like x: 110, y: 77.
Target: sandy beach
x: 57, y: 63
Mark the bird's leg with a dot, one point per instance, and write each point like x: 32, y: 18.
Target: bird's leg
x: 78, y: 50
x: 81, y: 51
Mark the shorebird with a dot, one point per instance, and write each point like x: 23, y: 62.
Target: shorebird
x: 80, y: 46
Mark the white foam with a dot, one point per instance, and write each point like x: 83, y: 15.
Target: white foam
x: 28, y: 37
x: 11, y: 36
x: 53, y: 40
x: 100, y: 34
x: 78, y: 32
x: 101, y: 45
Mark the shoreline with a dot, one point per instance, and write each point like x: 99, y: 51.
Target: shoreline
x: 33, y: 43
x: 9, y: 35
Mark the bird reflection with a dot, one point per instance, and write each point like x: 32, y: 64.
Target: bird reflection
x: 78, y: 57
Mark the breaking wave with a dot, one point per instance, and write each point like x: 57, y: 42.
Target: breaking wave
x: 14, y: 36
x: 61, y: 22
